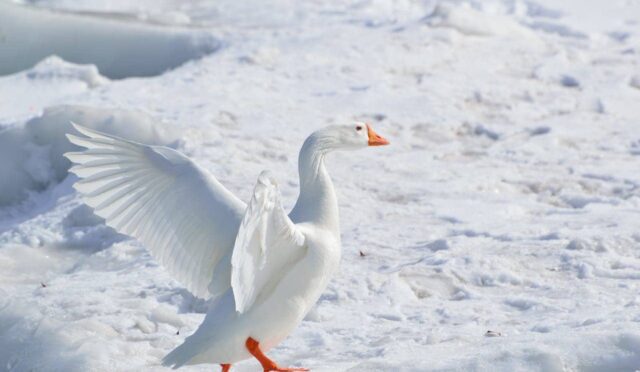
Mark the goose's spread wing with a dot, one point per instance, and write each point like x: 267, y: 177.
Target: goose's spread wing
x: 180, y: 212
x: 267, y: 245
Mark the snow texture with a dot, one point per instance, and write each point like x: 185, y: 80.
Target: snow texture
x: 31, y: 154
x: 498, y: 232
x: 119, y: 49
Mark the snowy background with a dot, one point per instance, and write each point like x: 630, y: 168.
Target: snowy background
x: 509, y: 200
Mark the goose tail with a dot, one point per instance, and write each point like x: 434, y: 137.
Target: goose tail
x: 178, y: 356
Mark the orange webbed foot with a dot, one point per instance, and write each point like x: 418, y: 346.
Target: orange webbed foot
x: 268, y: 365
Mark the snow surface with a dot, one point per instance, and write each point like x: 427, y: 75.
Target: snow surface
x: 119, y: 49
x: 498, y: 232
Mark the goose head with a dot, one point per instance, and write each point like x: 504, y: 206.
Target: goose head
x: 347, y: 137
x: 317, y: 202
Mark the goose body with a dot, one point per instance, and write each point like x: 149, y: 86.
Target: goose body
x: 263, y: 270
x: 221, y: 337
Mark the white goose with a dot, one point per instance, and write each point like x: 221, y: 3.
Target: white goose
x: 263, y: 270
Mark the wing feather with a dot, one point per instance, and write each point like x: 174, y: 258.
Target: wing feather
x: 181, y: 213
x: 267, y: 245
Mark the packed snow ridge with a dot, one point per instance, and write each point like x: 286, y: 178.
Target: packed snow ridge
x: 119, y: 48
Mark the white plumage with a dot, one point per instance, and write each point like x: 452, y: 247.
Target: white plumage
x: 181, y: 213
x: 267, y: 243
x: 262, y: 269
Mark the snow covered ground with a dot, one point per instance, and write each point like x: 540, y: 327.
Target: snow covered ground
x: 508, y: 202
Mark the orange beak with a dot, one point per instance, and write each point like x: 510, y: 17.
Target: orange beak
x: 374, y: 138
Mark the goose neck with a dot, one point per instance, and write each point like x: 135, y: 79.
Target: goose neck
x: 317, y: 202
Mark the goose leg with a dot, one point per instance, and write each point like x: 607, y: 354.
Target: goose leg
x: 225, y: 367
x: 267, y: 364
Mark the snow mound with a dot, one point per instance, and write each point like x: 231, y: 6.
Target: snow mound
x: 118, y: 48
x: 31, y: 155
x: 55, y: 68
x: 51, y: 82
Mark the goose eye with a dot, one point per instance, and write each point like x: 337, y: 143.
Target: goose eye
x: 359, y: 127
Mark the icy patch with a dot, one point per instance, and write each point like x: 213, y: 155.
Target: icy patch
x: 118, y: 48
x: 31, y: 155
